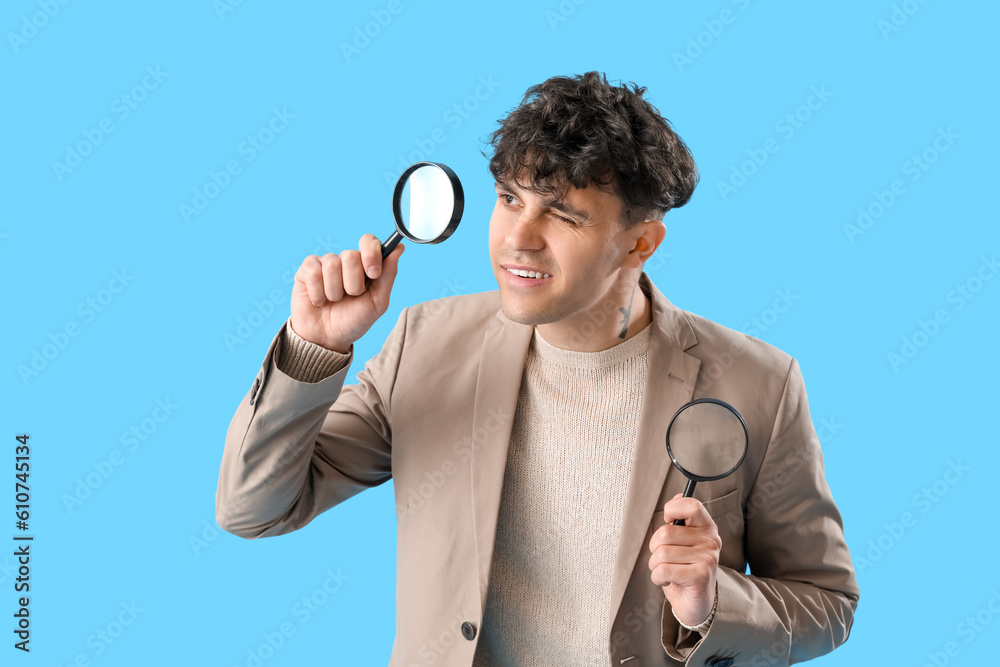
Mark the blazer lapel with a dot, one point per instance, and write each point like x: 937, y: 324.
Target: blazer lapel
x: 501, y: 364
x: 670, y: 380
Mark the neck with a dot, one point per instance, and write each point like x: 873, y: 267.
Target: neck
x: 612, y: 321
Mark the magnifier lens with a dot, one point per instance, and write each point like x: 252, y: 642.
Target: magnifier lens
x: 427, y: 203
x: 706, y: 440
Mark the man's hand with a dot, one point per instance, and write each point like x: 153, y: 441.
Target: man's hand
x: 332, y: 305
x: 686, y: 558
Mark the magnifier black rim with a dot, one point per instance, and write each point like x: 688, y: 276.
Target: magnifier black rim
x: 456, y: 212
x: 746, y: 439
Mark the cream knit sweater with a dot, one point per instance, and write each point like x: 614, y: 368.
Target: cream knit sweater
x: 549, y: 596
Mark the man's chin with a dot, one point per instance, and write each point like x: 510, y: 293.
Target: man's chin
x: 517, y: 312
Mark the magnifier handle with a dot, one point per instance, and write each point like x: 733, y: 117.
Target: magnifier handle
x: 688, y: 492
x: 391, y: 243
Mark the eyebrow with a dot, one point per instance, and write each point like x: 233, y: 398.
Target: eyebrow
x: 551, y: 202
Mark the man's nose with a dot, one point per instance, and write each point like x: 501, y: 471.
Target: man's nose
x: 526, y: 231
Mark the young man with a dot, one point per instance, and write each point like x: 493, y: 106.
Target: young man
x: 536, y: 508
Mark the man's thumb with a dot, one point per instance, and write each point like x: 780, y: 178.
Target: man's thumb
x: 382, y: 286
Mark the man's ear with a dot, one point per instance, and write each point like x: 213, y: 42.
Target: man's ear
x: 647, y: 236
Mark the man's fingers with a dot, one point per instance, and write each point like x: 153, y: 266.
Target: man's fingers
x: 382, y: 286
x: 310, y: 276
x: 371, y: 255
x: 354, y: 274
x: 699, y: 529
x: 676, y: 535
x: 690, y: 509
x: 682, y: 574
x: 332, y: 276
x: 674, y: 553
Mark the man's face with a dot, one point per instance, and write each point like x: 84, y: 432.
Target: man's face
x: 576, y: 238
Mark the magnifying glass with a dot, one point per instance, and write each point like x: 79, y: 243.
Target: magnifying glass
x: 707, y: 440
x: 427, y: 204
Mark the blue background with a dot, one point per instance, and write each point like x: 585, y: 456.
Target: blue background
x: 145, y: 536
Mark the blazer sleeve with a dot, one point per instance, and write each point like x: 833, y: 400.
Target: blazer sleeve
x: 295, y: 449
x: 798, y: 602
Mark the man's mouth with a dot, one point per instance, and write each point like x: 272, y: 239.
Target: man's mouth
x: 528, y: 274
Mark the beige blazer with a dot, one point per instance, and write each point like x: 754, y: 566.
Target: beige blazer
x: 433, y: 412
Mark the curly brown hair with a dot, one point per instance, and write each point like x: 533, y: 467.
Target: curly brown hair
x: 581, y: 130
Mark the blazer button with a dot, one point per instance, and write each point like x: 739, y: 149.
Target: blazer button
x: 468, y: 631
x: 716, y: 661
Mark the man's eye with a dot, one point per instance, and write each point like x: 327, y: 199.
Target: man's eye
x: 506, y: 198
x: 565, y: 219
